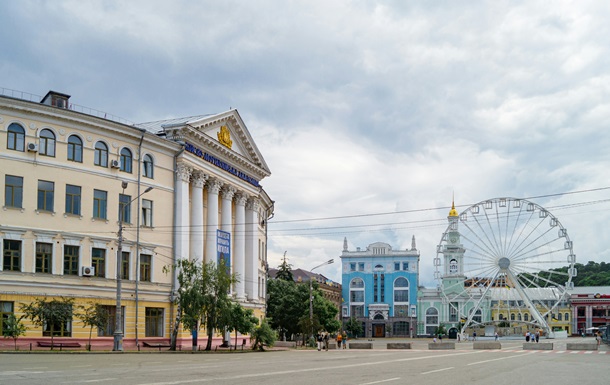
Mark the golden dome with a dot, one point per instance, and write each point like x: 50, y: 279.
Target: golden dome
x: 453, y: 212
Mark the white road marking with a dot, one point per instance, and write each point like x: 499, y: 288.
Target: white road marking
x: 497, y: 359
x: 438, y: 370
x: 380, y: 381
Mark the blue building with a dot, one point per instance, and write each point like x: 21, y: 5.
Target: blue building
x: 380, y: 288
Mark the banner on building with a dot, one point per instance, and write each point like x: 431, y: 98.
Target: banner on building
x: 223, y: 249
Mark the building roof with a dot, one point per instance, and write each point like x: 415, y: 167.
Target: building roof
x: 300, y: 275
x: 158, y: 126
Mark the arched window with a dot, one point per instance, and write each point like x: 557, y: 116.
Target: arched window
x: 378, y: 317
x: 477, y: 315
x: 566, y: 317
x: 453, y: 266
x: 401, y: 290
x: 16, y: 137
x: 526, y: 317
x: 519, y: 316
x: 356, y: 297
x: 431, y: 320
x: 47, y: 143
x: 75, y: 149
x: 101, y: 154
x: 149, y: 165
x: 126, y: 160
x: 512, y: 316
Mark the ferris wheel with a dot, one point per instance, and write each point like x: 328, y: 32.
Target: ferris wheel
x: 508, y: 257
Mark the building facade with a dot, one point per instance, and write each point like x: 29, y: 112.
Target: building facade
x: 379, y: 288
x: 590, y: 309
x: 72, y: 180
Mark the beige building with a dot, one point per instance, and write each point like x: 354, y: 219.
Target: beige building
x: 185, y: 188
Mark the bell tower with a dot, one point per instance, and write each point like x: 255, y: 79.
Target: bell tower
x: 453, y: 253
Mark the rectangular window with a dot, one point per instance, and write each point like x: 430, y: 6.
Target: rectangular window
x: 124, y: 208
x: 108, y: 329
x: 6, y: 309
x: 12, y: 255
x: 453, y: 312
x: 382, y: 287
x: 44, y: 254
x: 375, y: 288
x: 100, y: 201
x: 125, y: 265
x: 71, y: 260
x: 13, y: 191
x: 145, y: 267
x: 57, y: 329
x: 98, y: 261
x: 147, y: 213
x: 352, y: 267
x: 73, y: 199
x: 361, y: 266
x: 396, y: 266
x: 154, y: 322
x: 356, y: 296
x: 405, y: 266
x: 45, y: 195
x: 357, y: 311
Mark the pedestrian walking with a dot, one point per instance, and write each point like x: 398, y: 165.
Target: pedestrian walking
x: 537, y: 336
x: 344, y: 338
x: 319, y: 339
x: 527, y: 337
x: 474, y: 336
x: 326, y: 337
x: 496, y: 335
x: 339, y: 340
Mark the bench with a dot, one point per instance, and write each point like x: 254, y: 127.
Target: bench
x: 61, y: 345
x: 156, y: 345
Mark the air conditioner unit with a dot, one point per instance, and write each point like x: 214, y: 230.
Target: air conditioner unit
x: 115, y: 164
x: 88, y: 271
x: 32, y: 147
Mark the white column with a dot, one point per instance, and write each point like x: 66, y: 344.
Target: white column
x: 197, y: 229
x: 251, y: 276
x: 181, y: 236
x: 213, y: 186
x: 239, y: 247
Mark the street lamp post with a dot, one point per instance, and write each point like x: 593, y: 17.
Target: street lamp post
x: 118, y: 325
x: 311, y: 292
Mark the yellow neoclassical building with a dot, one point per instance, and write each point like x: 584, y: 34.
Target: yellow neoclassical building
x: 74, y: 180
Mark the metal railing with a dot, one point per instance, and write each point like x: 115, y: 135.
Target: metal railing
x: 71, y: 106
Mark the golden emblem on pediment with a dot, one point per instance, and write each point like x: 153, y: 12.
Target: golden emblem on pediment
x: 224, y: 136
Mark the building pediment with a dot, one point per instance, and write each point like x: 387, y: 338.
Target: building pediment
x: 223, y: 136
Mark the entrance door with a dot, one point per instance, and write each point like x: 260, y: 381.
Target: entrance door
x: 379, y: 330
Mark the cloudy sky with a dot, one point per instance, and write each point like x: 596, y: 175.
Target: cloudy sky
x: 370, y: 114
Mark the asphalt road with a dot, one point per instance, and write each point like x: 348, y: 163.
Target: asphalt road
x: 511, y: 365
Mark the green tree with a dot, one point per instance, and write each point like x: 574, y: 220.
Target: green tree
x: 13, y: 328
x: 94, y: 315
x: 239, y: 320
x: 354, y: 327
x: 263, y: 336
x: 189, y: 298
x: 55, y: 313
x: 284, y: 271
x: 286, y: 305
x: 216, y: 301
